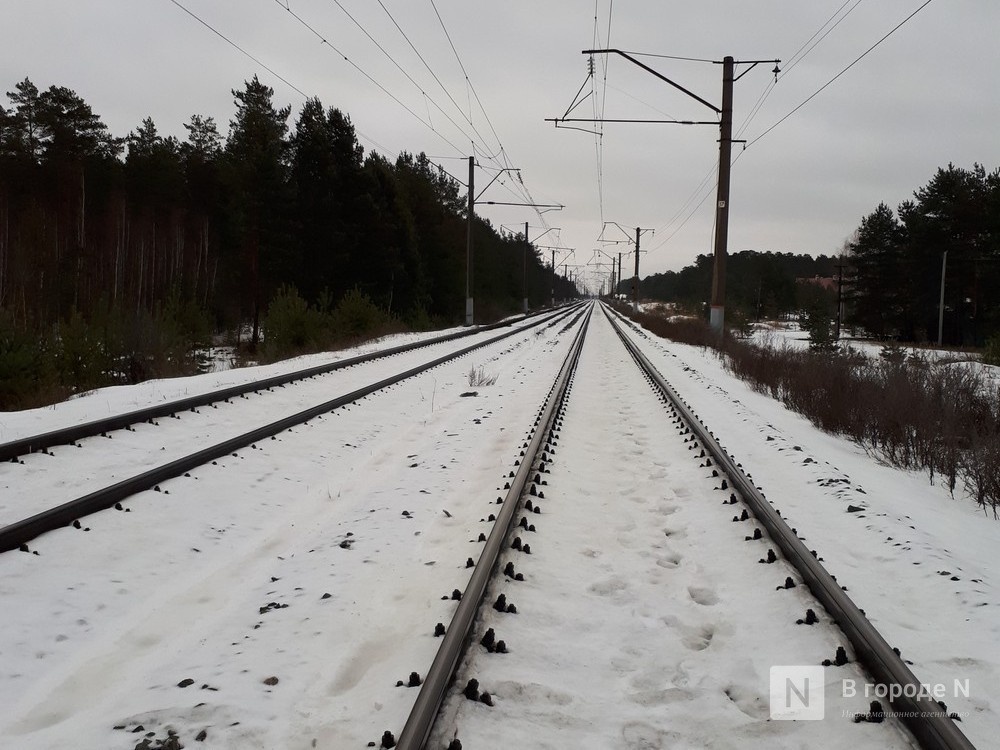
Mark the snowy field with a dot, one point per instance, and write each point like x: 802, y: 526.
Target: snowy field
x: 789, y: 334
x: 274, y: 600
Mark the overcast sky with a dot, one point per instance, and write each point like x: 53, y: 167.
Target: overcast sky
x: 925, y: 97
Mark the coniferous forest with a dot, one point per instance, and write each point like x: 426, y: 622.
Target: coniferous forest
x: 119, y: 253
x: 892, y: 267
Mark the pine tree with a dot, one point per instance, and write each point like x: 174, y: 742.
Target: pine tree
x: 257, y: 167
x: 878, y: 293
x: 326, y: 179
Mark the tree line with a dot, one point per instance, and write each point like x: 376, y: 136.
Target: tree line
x: 759, y: 285
x: 102, y: 233
x: 892, y: 267
x: 896, y: 261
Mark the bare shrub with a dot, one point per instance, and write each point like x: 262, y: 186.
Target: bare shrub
x: 683, y: 329
x: 909, y: 411
x: 478, y: 377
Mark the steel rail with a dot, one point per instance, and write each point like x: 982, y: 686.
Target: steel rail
x: 926, y: 718
x: 66, y: 435
x: 420, y: 721
x: 14, y: 535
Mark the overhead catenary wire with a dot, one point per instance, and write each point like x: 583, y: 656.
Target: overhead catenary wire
x: 401, y: 69
x: 468, y: 81
x: 800, y: 54
x: 802, y: 51
x: 598, y: 103
x: 240, y: 49
x: 431, y: 71
x: 383, y: 149
x: 324, y: 41
x: 504, y: 158
x: 842, y: 72
x: 427, y: 123
x: 270, y: 70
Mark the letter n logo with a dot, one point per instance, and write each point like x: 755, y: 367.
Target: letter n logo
x: 797, y: 693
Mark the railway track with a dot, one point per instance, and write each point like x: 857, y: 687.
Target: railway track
x: 11, y: 450
x: 649, y: 585
x: 27, y: 486
x: 240, y: 603
x: 515, y: 663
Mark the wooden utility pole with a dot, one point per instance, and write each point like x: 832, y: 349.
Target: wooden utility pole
x: 619, y: 272
x: 553, y: 300
x: 468, y: 241
x: 944, y: 268
x: 524, y: 271
x: 635, y: 279
x: 718, y: 312
x: 840, y: 298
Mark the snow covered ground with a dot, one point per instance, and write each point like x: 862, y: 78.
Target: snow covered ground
x: 790, y: 334
x: 42, y: 482
x: 275, y: 599
x: 645, y: 619
x: 103, y: 402
x: 272, y: 600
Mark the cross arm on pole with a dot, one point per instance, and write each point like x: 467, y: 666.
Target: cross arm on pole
x: 552, y: 206
x: 497, y: 177
x: 753, y: 64
x: 659, y: 75
x: 624, y: 231
x: 550, y: 229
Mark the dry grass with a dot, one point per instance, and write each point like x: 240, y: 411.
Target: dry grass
x: 478, y: 377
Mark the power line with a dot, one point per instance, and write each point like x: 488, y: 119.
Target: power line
x: 357, y: 67
x: 598, y: 109
x: 502, y: 152
x: 429, y: 70
x: 270, y: 70
x: 360, y: 134
x: 466, y: 74
x: 796, y: 58
x: 505, y: 160
x: 706, y: 182
x: 828, y: 83
x: 800, y: 54
x: 400, y: 68
x: 238, y: 47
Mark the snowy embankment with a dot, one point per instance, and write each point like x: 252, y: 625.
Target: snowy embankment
x: 921, y: 564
